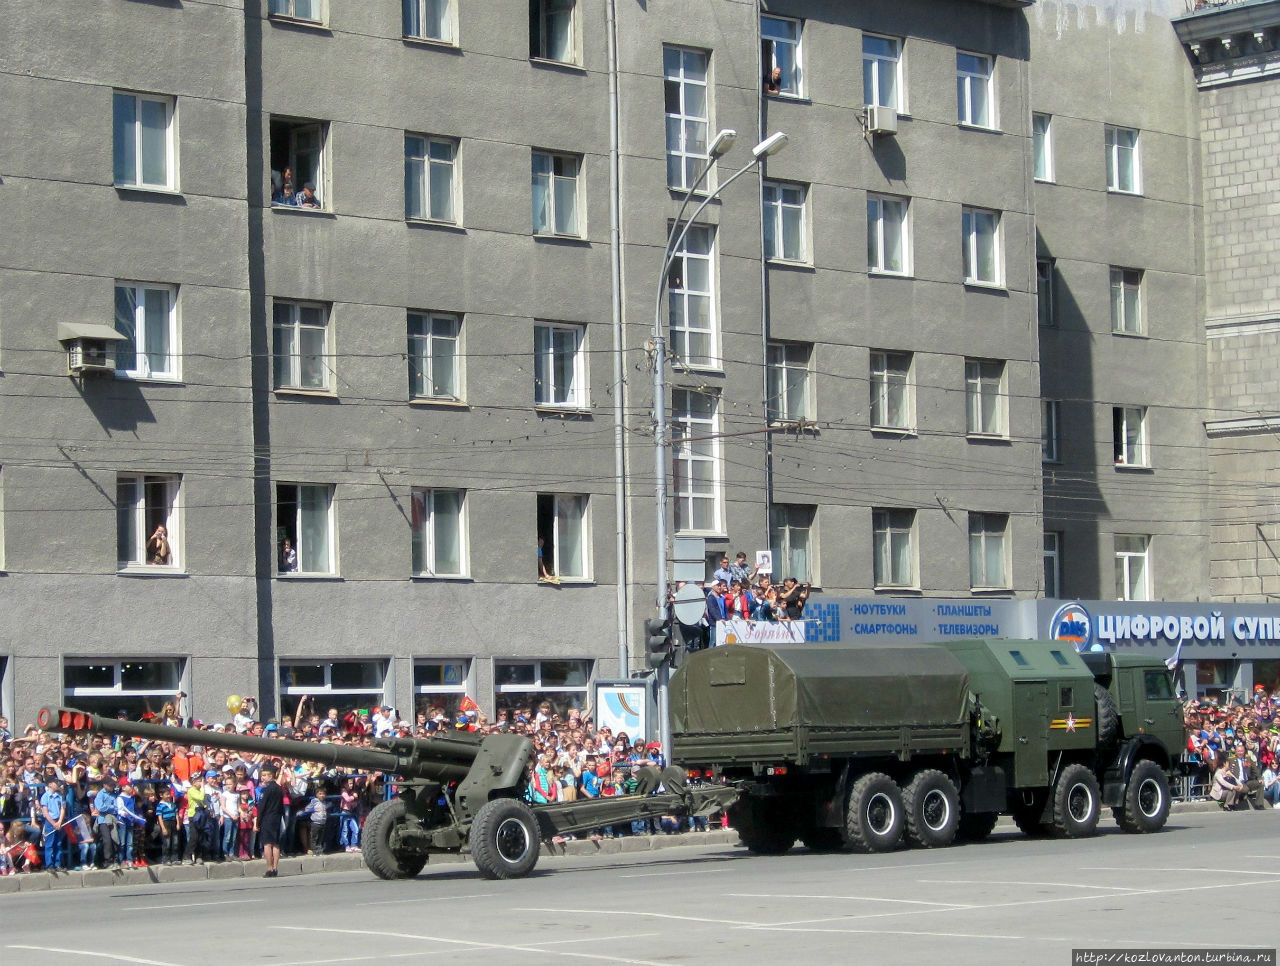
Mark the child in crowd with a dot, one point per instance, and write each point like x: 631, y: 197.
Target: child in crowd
x: 349, y: 837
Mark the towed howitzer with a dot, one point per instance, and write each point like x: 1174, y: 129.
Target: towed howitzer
x: 458, y: 792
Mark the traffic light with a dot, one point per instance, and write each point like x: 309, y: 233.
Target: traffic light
x: 657, y: 639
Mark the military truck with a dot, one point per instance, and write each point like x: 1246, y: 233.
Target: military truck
x: 860, y: 747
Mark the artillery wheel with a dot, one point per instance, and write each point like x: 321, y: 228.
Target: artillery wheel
x: 504, y: 839
x: 1077, y: 803
x: 874, y: 814
x: 376, y: 843
x: 764, y: 830
x: 1146, y: 799
x: 976, y: 826
x: 932, y: 810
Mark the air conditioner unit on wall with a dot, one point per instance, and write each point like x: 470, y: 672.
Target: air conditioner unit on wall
x: 90, y: 355
x: 881, y: 120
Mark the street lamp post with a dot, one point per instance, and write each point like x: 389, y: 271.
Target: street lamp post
x: 661, y: 445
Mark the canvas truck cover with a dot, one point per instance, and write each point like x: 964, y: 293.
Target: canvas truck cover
x: 738, y: 689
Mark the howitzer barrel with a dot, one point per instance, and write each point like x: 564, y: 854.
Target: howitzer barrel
x: 407, y: 757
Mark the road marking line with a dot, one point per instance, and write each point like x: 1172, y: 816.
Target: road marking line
x: 903, y: 932
x: 396, y: 902
x: 88, y: 952
x: 651, y: 915
x: 1117, y: 868
x: 183, y: 905
x: 596, y: 939
x: 916, y: 902
x: 650, y: 875
x: 1064, y: 885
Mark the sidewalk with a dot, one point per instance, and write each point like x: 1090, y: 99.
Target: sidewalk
x: 345, y: 862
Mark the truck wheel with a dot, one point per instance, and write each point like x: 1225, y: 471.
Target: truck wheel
x: 1108, y: 716
x: 1146, y: 799
x: 504, y: 839
x: 932, y: 807
x: 874, y: 814
x: 376, y: 843
x: 822, y: 839
x: 764, y: 830
x: 1076, y: 803
x: 1027, y: 816
x: 976, y: 826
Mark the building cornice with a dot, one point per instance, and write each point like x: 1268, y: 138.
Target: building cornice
x: 1232, y: 42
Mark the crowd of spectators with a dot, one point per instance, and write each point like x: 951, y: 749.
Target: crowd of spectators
x: 739, y: 591
x: 1234, y: 745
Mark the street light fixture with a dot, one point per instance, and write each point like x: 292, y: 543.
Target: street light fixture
x: 661, y: 447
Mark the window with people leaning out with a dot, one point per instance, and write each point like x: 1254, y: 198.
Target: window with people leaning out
x: 298, y: 163
x: 563, y: 538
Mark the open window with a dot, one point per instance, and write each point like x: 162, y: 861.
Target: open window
x: 299, y: 164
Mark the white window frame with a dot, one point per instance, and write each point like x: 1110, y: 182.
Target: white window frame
x: 537, y: 690
x: 546, y: 16
x: 698, y: 250
x: 1050, y: 431
x: 890, y: 377
x: 1042, y: 147
x: 1127, y: 301
x: 787, y: 522
x: 290, y: 360
x: 296, y: 129
x: 970, y: 81
x: 417, y: 14
x: 874, y: 67
x: 329, y: 565
x: 986, y: 395
x: 111, y: 698
x: 891, y: 529
x: 559, y: 351
x: 288, y: 10
x: 429, y: 333
x: 457, y: 682
x: 1052, y: 555
x: 144, y: 361
x: 155, y: 498
x: 1124, y: 160
x: 131, y: 136
x: 786, y: 219
x: 560, y: 190
x: 771, y: 40
x: 425, y: 159
x: 686, y: 153
x: 1126, y: 559
x: 326, y: 694
x: 567, y: 507
x: 975, y: 251
x: 789, y: 371
x: 885, y: 213
x: 427, y: 505
x: 1046, y: 293
x: 1130, y: 445
x: 695, y: 440
x: 984, y: 529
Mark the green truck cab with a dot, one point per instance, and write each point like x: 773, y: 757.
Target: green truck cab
x: 863, y: 746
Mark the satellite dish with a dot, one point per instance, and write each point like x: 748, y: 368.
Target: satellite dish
x: 690, y: 604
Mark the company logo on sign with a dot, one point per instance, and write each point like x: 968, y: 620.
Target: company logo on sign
x: 1072, y: 623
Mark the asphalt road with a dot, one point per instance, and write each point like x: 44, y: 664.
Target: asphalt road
x: 1208, y: 881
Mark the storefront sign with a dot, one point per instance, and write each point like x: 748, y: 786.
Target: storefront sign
x: 1107, y: 625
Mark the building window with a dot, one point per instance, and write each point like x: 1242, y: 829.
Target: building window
x: 685, y: 85
x: 435, y: 359
x: 107, y: 687
x: 559, y: 372
x: 973, y: 89
x: 523, y: 685
x: 1126, y: 300
x: 891, y: 391
x: 784, y: 72
x: 1129, y: 435
x: 988, y: 551
x: 1133, y: 575
x: 555, y: 194
x: 1046, y: 306
x: 304, y: 529
x: 312, y: 10
x: 691, y: 300
x: 299, y: 164
x: 551, y: 30
x: 1124, y: 171
x: 887, y: 246
x: 143, y: 141
x: 147, y: 525
x: 1052, y: 564
x: 146, y: 315
x: 429, y: 20
x: 881, y: 71
x: 439, y: 533
x: 345, y: 685
x: 791, y: 533
x: 981, y: 246
x: 564, y: 538
x: 1050, y: 412
x: 301, y: 345
x: 986, y: 397
x: 440, y: 684
x: 695, y: 458
x: 784, y: 222
x: 1042, y: 146
x: 893, y: 547
x: 788, y: 382
x: 430, y: 178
